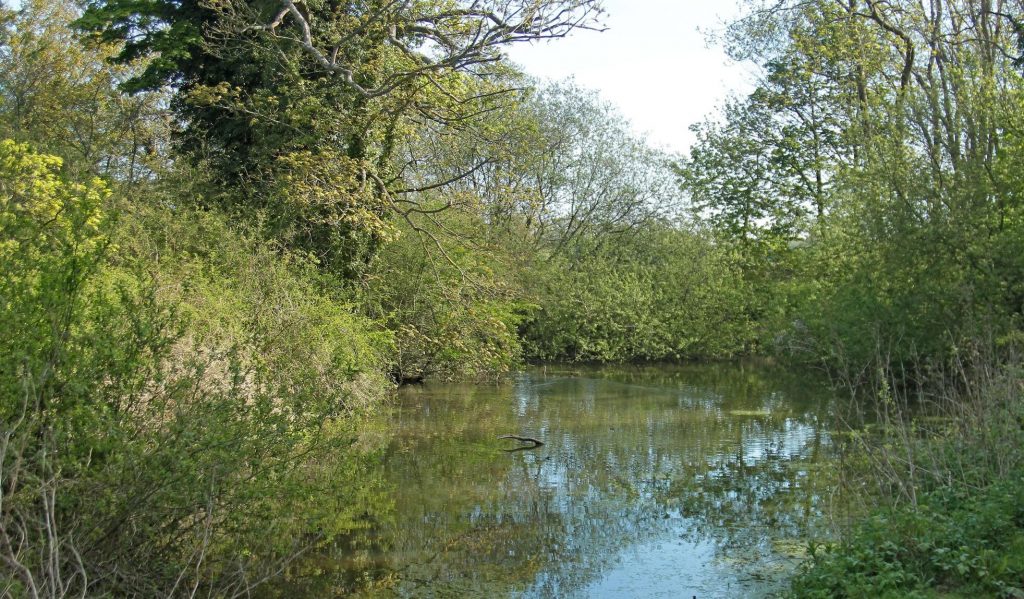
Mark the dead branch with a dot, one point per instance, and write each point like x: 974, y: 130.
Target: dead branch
x: 535, y: 442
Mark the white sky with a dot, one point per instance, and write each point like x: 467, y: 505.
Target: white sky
x: 652, y: 63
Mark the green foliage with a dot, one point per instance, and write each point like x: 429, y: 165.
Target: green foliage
x: 237, y: 291
x: 868, y: 180
x: 151, y: 447
x: 965, y: 544
x: 564, y: 219
x: 191, y: 345
x: 729, y: 178
x: 451, y: 309
x: 661, y: 294
x: 561, y: 200
x: 867, y: 188
x: 53, y: 237
x: 274, y: 93
x: 61, y: 95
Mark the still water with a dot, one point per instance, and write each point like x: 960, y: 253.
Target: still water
x: 703, y: 481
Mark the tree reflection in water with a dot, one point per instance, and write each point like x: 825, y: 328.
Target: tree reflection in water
x: 678, y: 481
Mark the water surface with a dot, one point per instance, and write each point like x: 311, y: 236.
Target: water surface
x: 690, y: 481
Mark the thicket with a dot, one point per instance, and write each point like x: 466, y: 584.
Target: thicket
x: 663, y: 293
x: 933, y: 482
x: 154, y: 423
x: 559, y: 236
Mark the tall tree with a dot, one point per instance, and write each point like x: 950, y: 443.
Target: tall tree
x: 904, y: 112
x: 62, y: 96
x: 558, y: 166
x: 728, y: 176
x: 299, y: 105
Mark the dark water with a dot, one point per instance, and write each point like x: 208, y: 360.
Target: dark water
x: 699, y: 481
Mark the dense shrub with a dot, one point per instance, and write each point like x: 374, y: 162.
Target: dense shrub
x: 936, y: 479
x: 663, y: 294
x: 161, y: 437
x: 953, y: 542
x: 452, y: 308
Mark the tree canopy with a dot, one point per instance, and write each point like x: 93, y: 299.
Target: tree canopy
x: 309, y: 99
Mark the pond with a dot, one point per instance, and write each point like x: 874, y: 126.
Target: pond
x: 694, y: 481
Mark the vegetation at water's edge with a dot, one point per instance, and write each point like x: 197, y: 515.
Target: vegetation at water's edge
x: 226, y: 229
x: 953, y: 543
x: 940, y: 500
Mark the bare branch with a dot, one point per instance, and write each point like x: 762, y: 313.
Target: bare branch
x: 445, y: 41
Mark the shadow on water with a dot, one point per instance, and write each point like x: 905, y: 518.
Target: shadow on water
x: 700, y: 480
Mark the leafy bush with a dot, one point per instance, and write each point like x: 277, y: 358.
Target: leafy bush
x: 969, y: 543
x: 942, y: 482
x: 161, y: 437
x: 664, y: 294
x: 452, y: 310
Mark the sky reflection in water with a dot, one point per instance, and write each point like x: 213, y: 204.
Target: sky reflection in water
x: 658, y: 482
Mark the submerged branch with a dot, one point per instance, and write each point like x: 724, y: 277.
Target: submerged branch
x: 535, y: 442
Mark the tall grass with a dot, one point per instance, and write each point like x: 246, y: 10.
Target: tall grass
x: 933, y: 481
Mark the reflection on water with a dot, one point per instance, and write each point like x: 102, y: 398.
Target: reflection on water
x: 678, y: 482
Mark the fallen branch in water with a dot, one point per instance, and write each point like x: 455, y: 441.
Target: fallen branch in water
x: 536, y: 442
